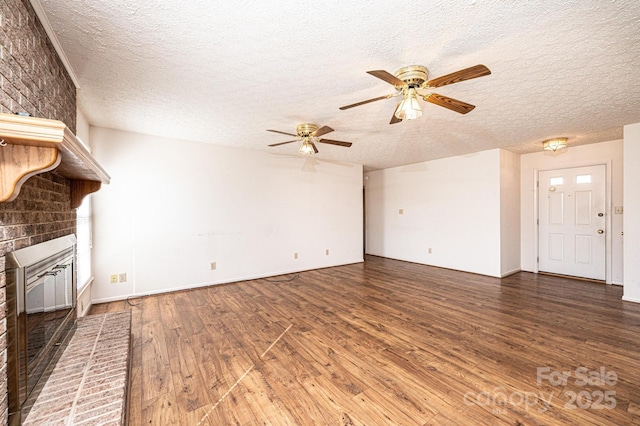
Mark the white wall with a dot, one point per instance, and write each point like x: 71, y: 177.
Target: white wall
x: 632, y: 213
x: 82, y: 131
x: 452, y: 206
x: 509, y: 213
x: 82, y: 127
x: 175, y: 206
x: 609, y: 153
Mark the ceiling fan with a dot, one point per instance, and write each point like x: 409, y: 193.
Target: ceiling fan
x: 409, y: 81
x: 310, y: 134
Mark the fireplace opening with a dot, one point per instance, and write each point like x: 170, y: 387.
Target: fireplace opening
x: 41, y: 313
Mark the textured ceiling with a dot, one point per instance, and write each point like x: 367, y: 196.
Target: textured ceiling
x: 223, y: 73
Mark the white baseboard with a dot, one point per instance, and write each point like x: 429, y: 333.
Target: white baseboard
x: 208, y: 284
x: 513, y: 271
x: 84, y: 288
x: 630, y: 299
x: 86, y: 310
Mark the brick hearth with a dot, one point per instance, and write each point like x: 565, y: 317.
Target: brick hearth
x: 88, y: 384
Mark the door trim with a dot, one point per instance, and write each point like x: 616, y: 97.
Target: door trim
x: 608, y: 185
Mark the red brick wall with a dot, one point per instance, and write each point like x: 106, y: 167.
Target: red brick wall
x: 32, y: 80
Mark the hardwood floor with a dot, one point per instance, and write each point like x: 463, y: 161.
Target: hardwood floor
x: 386, y: 342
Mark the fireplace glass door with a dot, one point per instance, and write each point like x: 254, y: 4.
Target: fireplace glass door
x: 48, y: 301
x: 41, y: 293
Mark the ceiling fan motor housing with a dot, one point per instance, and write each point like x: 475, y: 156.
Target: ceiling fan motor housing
x: 416, y: 76
x: 305, y: 130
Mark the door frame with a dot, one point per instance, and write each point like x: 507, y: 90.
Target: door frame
x: 608, y: 212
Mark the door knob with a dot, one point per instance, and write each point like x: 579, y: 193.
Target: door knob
x: 600, y: 231
x: 600, y: 214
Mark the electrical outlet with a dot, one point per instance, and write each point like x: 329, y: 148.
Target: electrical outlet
x: 326, y: 252
x: 212, y: 266
x: 619, y: 210
x: 114, y: 278
x: 295, y: 255
x: 400, y: 211
x: 123, y: 277
x: 429, y: 250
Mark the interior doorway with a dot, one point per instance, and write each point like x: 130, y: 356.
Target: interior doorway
x: 572, y: 222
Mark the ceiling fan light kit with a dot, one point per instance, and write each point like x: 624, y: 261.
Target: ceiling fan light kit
x: 409, y: 108
x: 554, y: 144
x: 306, y: 148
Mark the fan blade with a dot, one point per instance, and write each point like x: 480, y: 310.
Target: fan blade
x: 389, y: 78
x: 332, y: 142
x: 282, y: 143
x: 450, y: 103
x: 322, y: 131
x: 395, y: 119
x: 366, y: 102
x: 315, y: 149
x: 282, y: 133
x: 458, y: 76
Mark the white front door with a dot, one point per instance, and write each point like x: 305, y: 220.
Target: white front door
x: 572, y: 231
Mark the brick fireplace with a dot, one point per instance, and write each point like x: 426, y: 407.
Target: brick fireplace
x: 33, y: 80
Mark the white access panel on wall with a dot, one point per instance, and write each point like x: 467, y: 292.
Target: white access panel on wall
x: 572, y: 216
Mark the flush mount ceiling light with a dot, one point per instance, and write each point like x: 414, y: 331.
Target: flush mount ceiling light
x: 409, y: 81
x: 554, y: 144
x: 310, y: 134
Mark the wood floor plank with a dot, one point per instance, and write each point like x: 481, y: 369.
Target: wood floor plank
x: 156, y: 372
x: 382, y: 342
x: 336, y: 401
x: 264, y: 402
x: 329, y: 363
x: 191, y: 390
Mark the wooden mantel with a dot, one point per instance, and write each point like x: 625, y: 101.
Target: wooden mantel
x: 29, y: 146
